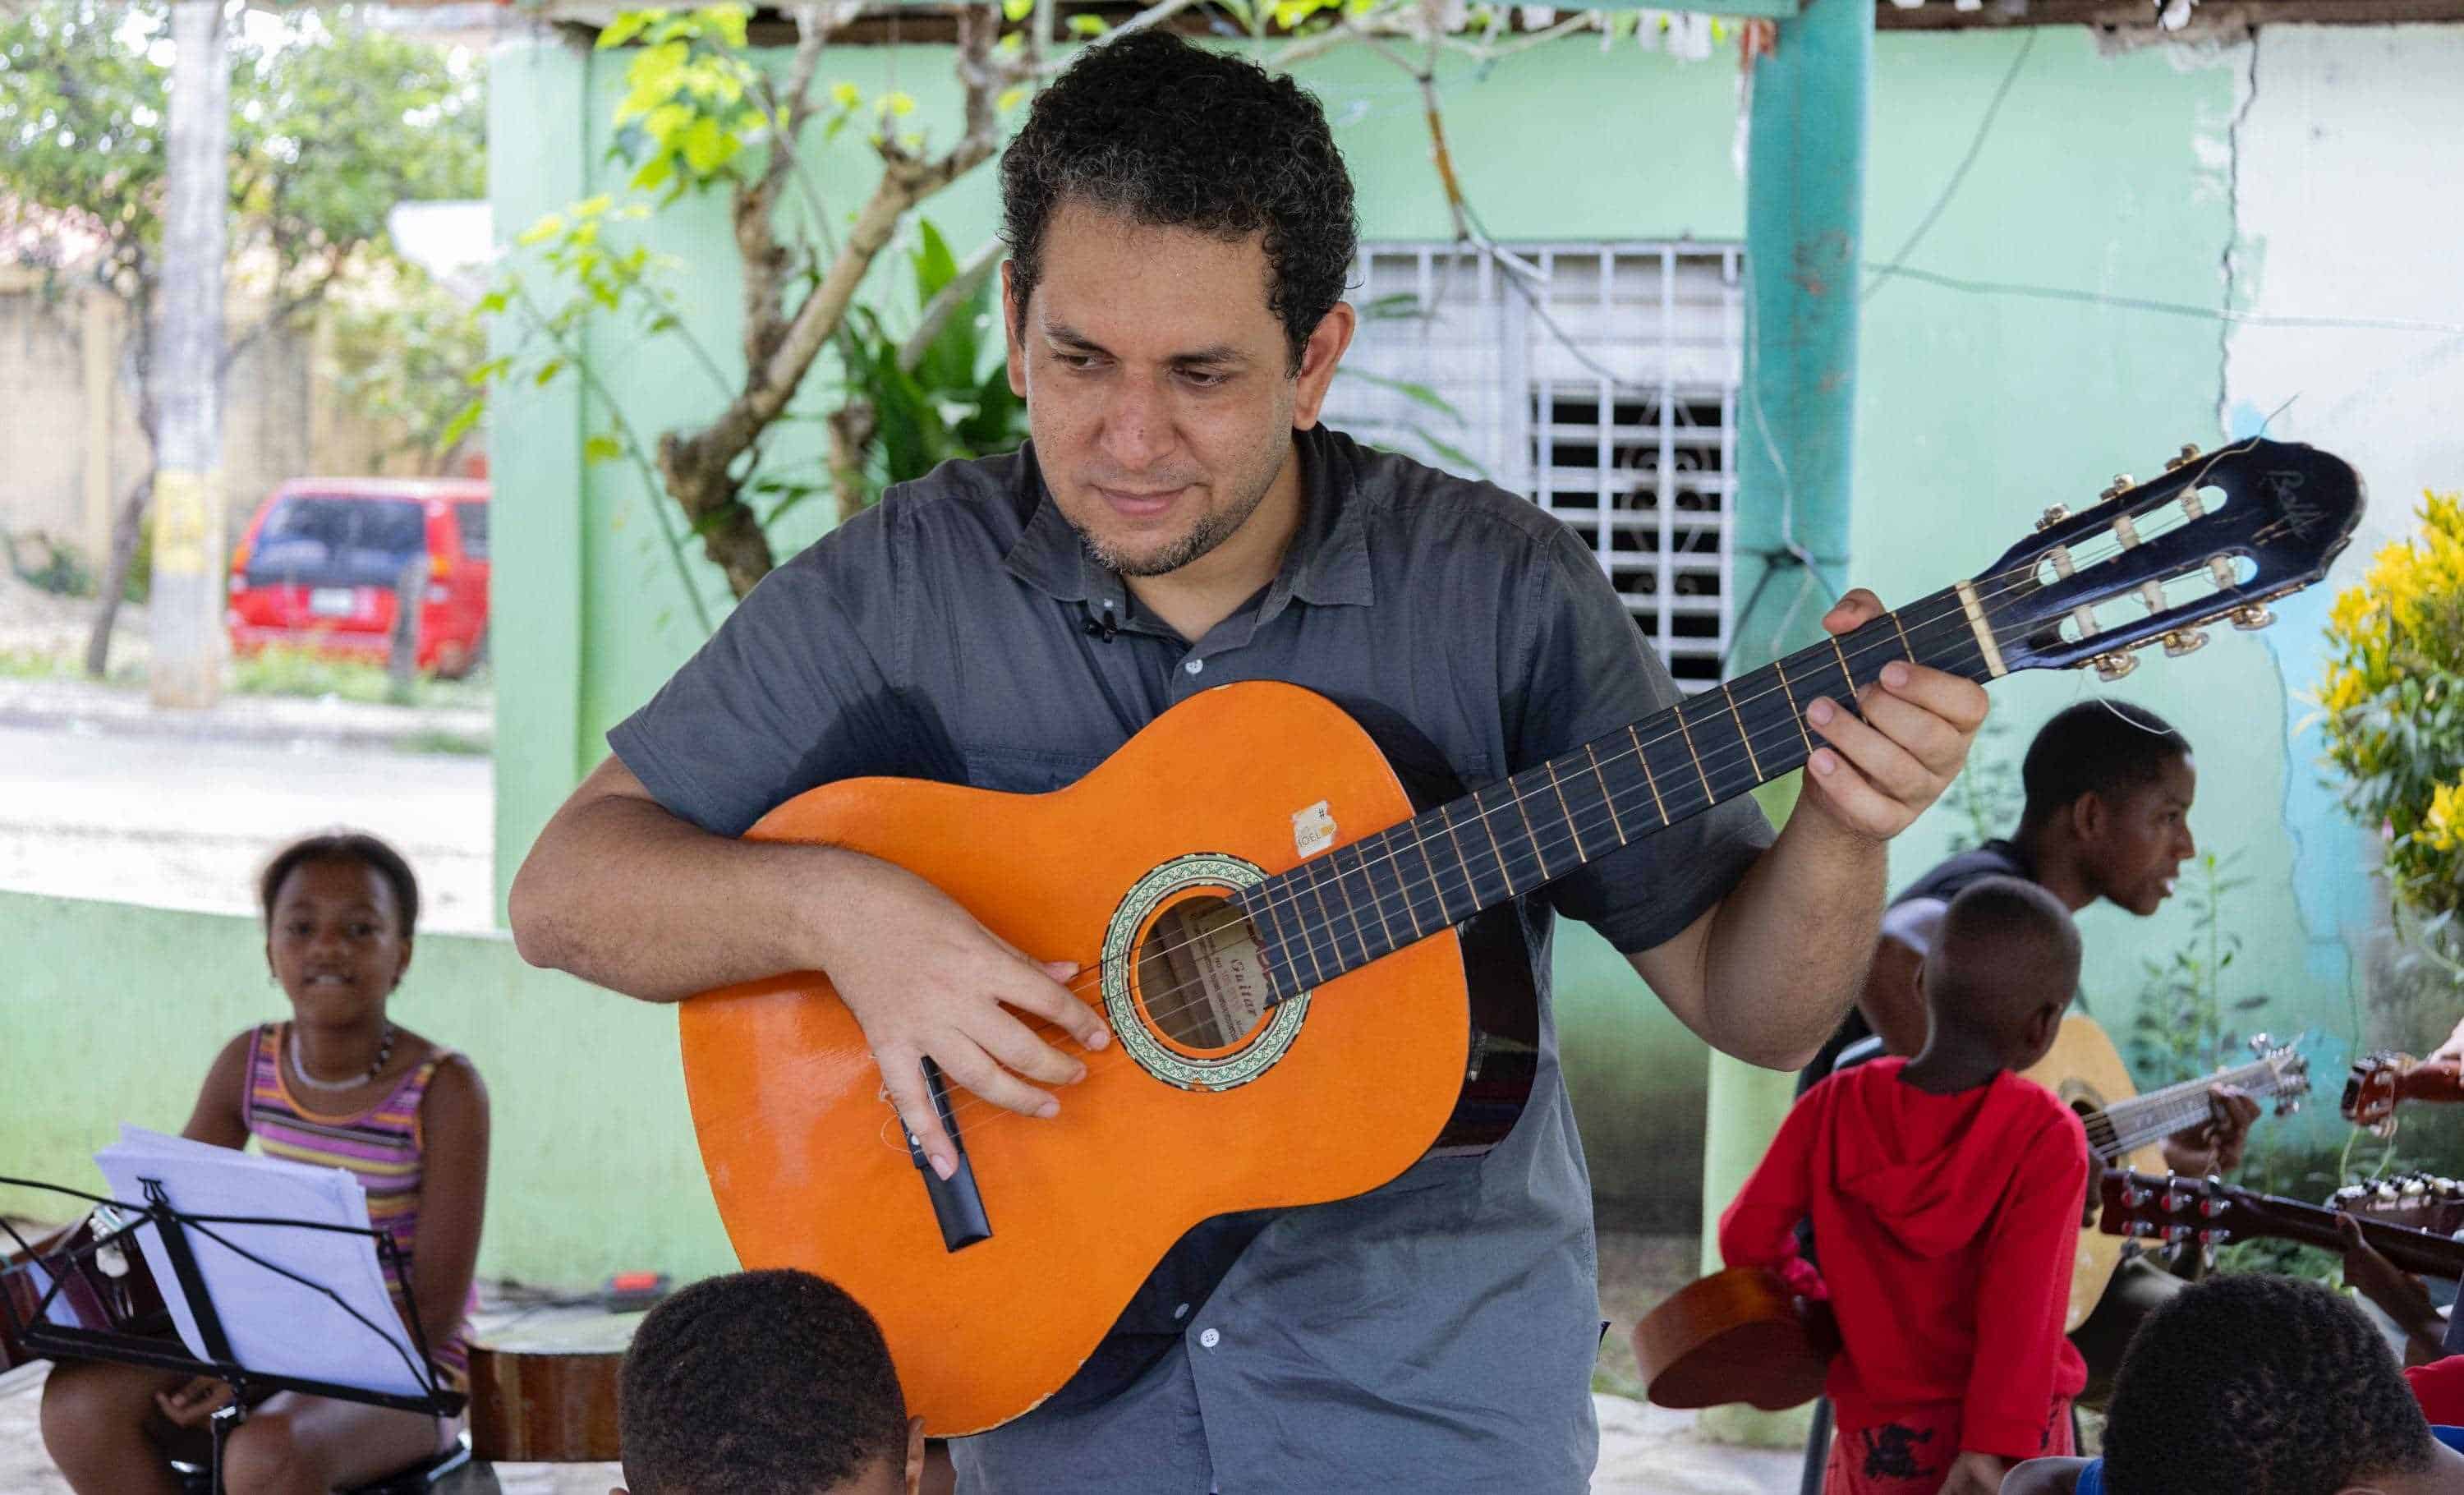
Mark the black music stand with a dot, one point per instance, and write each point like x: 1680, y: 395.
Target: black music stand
x: 38, y: 1333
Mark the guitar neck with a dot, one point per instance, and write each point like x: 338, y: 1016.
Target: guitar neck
x: 1336, y: 913
x: 2127, y: 1126
x: 2416, y: 1251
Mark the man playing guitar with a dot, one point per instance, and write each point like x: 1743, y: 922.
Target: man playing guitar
x: 2108, y: 787
x: 1181, y: 225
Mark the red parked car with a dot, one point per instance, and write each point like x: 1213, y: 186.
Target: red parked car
x: 321, y: 559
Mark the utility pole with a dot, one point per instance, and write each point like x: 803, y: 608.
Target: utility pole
x: 185, y: 611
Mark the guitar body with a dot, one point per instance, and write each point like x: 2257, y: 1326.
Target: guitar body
x: 1327, y: 1095
x: 2086, y: 1072
x: 1737, y: 1336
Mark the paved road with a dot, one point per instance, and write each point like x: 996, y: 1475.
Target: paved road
x: 187, y: 824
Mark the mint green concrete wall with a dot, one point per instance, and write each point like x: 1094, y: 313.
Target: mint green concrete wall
x: 1976, y: 410
x: 114, y: 1013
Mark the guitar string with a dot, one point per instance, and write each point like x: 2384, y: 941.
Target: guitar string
x: 1724, y: 759
x: 1407, y: 884
x: 2096, y: 551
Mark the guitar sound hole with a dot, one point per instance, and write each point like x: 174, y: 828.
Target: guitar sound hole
x: 1201, y: 982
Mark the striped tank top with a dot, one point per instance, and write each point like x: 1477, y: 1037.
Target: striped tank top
x: 379, y: 1146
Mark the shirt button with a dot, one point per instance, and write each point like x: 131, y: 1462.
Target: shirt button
x: 1195, y: 666
x: 1181, y: 1311
x: 1209, y: 1338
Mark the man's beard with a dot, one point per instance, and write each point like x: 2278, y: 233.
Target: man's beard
x: 1210, y: 530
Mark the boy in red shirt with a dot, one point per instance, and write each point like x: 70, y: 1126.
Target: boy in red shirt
x: 1944, y: 1194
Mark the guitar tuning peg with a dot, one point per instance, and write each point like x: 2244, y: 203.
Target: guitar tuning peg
x: 2185, y: 641
x: 2112, y: 667
x: 2188, y: 454
x: 2252, y: 618
x: 2122, y: 484
x: 2053, y: 515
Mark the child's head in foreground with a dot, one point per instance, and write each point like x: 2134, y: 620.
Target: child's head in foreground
x: 765, y: 1383
x: 2252, y: 1385
x: 2001, y: 969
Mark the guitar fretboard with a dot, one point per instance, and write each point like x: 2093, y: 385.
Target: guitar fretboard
x: 1338, y: 912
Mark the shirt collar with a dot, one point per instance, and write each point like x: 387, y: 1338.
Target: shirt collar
x: 1326, y: 563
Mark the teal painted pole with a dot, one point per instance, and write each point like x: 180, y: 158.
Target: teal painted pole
x: 1805, y: 213
x: 538, y: 161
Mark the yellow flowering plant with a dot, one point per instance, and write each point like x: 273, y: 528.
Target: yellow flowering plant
x: 2392, y: 716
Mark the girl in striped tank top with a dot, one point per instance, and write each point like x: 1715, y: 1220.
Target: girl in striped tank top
x: 343, y: 1086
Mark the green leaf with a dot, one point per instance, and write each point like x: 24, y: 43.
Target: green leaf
x: 627, y: 26
x: 1455, y: 457
x: 463, y: 420
x: 494, y: 303
x: 1018, y: 10
x: 1084, y: 25
x: 1420, y: 393
x: 935, y: 266
x: 547, y: 372
x: 602, y: 448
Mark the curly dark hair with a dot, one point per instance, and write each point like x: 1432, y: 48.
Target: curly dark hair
x: 757, y: 1383
x: 2252, y: 1385
x: 1172, y: 135
x: 344, y: 845
x: 2098, y: 746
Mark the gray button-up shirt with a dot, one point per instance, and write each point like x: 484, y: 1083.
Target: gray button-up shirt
x: 1436, y: 1334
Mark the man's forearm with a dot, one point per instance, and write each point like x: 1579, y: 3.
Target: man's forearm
x: 1788, y: 945
x: 624, y: 895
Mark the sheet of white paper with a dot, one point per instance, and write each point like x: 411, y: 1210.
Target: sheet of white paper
x: 274, y: 1324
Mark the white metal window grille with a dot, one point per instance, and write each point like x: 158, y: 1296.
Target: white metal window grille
x: 1607, y: 393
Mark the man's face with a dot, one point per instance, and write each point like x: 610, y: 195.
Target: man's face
x: 1158, y: 385
x: 2141, y: 836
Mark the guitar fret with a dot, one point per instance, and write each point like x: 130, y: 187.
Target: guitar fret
x: 1530, y: 837
x: 1471, y: 884
x: 1580, y: 855
x: 1648, y: 782
x: 1751, y: 762
x: 1479, y: 811
x: 1904, y: 647
x: 1307, y: 945
x: 1847, y: 676
x: 1709, y: 793
x: 1438, y: 887
x: 1403, y: 880
x: 1606, y: 798
x: 1376, y: 899
x: 1359, y: 934
x: 1334, y: 947
x: 1794, y: 713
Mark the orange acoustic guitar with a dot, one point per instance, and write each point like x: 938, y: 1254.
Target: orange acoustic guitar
x: 1269, y: 923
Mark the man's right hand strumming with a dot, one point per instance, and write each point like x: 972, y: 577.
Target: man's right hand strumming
x: 622, y: 892
x: 925, y: 980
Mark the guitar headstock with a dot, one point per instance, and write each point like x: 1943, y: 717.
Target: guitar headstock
x: 2218, y: 535
x: 2370, y: 1090
x: 2173, y: 1210
x: 2420, y: 1200
x: 2289, y: 1069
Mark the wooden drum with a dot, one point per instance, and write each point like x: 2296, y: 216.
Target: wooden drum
x: 544, y: 1390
